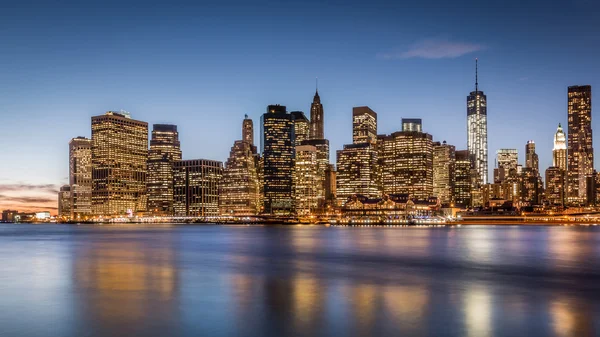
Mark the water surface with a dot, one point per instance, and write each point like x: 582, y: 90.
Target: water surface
x: 64, y: 280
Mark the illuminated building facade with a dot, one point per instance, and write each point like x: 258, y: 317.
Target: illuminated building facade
x: 412, y: 124
x: 278, y: 156
x: 555, y: 189
x: 357, y: 172
x: 580, y: 152
x: 248, y: 130
x: 239, y: 190
x: 301, y: 127
x: 196, y: 187
x: 165, y: 149
x: 507, y: 161
x: 443, y: 171
x: 316, y: 118
x: 364, y: 125
x: 64, y: 202
x: 406, y: 163
x: 80, y: 177
x: 119, y: 164
x: 307, y: 183
x: 531, y: 158
x: 477, y: 143
x: 559, y: 151
x: 463, y: 173
x: 530, y: 186
x: 330, y: 187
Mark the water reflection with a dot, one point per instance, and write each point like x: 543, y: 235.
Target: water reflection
x: 300, y: 281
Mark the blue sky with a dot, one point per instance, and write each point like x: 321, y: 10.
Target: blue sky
x: 203, y: 66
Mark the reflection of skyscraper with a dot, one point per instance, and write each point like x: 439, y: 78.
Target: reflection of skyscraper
x: 278, y: 155
x: 477, y: 131
x: 119, y: 164
x: 164, y: 150
x: 580, y: 147
x: 80, y: 177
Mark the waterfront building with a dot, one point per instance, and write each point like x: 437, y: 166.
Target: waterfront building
x: 507, y: 161
x: 308, y: 185
x: 9, y: 215
x: 278, y: 156
x: 165, y: 149
x: 477, y: 137
x: 330, y: 186
x: 555, y: 186
x: 443, y: 171
x: 357, y: 172
x: 406, y: 163
x: 239, y: 191
x: 463, y: 179
x: 364, y: 125
x: 530, y: 186
x: 80, y: 177
x: 580, y: 152
x: 119, y: 164
x: 196, y: 187
x: 301, y: 127
x: 64, y: 202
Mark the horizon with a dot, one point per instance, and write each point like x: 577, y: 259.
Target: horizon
x: 179, y: 65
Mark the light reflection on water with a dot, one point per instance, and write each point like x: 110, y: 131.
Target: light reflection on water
x: 302, y: 281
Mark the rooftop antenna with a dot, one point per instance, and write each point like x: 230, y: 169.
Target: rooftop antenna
x: 476, y: 84
x: 317, y: 83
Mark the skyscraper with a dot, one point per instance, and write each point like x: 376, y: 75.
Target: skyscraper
x: 580, y: 147
x: 406, y: 163
x: 316, y: 118
x: 555, y: 189
x: 164, y: 150
x: 443, y: 171
x: 507, y: 161
x: 412, y: 124
x: 531, y: 158
x: 477, y: 143
x: 80, y: 177
x: 307, y: 182
x: 278, y: 157
x: 119, y: 164
x: 196, y: 187
x: 248, y: 130
x: 364, y: 125
x: 559, y: 152
x: 463, y: 172
x: 64, y: 202
x: 357, y: 172
x: 301, y: 127
x: 239, y: 188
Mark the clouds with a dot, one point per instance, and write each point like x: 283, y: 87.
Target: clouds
x: 433, y: 49
x: 19, y: 187
x: 28, y: 197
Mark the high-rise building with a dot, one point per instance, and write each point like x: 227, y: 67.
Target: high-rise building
x: 406, y: 162
x: 443, y: 171
x: 364, y: 125
x: 248, y: 130
x: 239, y: 191
x: 316, y: 118
x: 531, y: 158
x: 278, y: 157
x: 307, y: 183
x: 507, y: 161
x: 119, y: 164
x: 165, y: 149
x: 357, y: 172
x: 477, y: 143
x: 530, y: 186
x: 196, y: 187
x: 412, y: 124
x: 64, y: 202
x: 580, y: 147
x: 301, y: 127
x: 555, y: 189
x: 559, y: 152
x: 463, y: 173
x: 80, y: 177
x: 330, y: 187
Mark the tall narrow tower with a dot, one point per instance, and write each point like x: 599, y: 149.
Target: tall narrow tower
x: 248, y: 130
x: 316, y: 118
x: 477, y: 130
x: 580, y: 149
x: 559, y: 152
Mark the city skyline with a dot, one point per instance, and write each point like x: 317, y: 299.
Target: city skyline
x: 420, y: 72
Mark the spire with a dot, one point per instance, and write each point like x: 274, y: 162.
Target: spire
x: 476, y: 82
x: 317, y: 99
x: 317, y: 85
